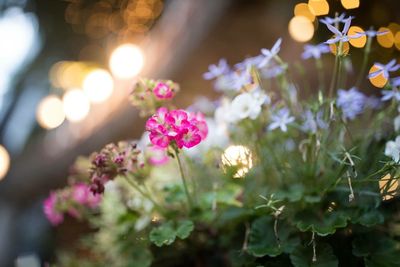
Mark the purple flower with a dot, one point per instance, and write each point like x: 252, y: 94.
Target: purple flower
x: 396, y: 82
x: 341, y: 36
x: 390, y: 94
x: 372, y: 33
x: 383, y: 69
x: 217, y: 70
x: 269, y: 54
x: 271, y: 72
x: 313, y: 122
x: 328, y: 20
x: 351, y: 102
x: 280, y: 120
x: 239, y: 80
x: 249, y: 62
x: 314, y: 51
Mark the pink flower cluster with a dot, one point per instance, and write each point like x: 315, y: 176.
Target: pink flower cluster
x: 71, y: 200
x: 184, y: 128
x: 163, y: 91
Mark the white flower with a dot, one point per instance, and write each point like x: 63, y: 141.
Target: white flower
x: 248, y: 105
x: 393, y: 149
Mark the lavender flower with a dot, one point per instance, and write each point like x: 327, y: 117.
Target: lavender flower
x: 269, y: 54
x: 396, y: 82
x: 240, y: 79
x: 341, y: 18
x: 280, y: 120
x: 215, y: 71
x: 313, y: 122
x: 390, y: 94
x: 383, y: 69
x: 372, y: 33
x: 392, y: 149
x: 249, y: 62
x: 341, y: 36
x: 314, y: 51
x: 352, y: 102
x: 271, y: 72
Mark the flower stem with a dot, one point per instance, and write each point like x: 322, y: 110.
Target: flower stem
x: 183, y: 177
x: 367, y: 51
x: 143, y: 193
x: 321, y: 77
x: 333, y: 80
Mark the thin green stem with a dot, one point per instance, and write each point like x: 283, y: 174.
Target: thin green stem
x: 321, y: 76
x: 183, y: 177
x: 333, y: 80
x: 367, y: 51
x: 339, y: 82
x: 143, y: 193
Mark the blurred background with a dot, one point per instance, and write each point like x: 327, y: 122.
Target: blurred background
x: 67, y: 67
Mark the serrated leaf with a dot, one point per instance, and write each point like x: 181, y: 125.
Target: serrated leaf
x: 184, y: 229
x: 324, y: 224
x: 377, y: 250
x: 371, y: 218
x: 302, y: 256
x: 262, y: 240
x: 165, y: 234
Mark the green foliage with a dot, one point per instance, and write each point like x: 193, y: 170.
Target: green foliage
x: 166, y: 233
x: 302, y: 256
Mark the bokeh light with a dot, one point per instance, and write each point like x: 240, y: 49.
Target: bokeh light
x: 360, y: 41
x: 4, y: 162
x: 350, y: 4
x: 126, y: 61
x: 318, y: 7
x: 76, y: 105
x: 98, y: 85
x: 301, y: 29
x: 67, y: 74
x: 385, y: 40
x: 50, y: 112
x: 345, y: 48
x: 397, y: 40
x: 239, y: 157
x: 303, y: 9
x: 388, y: 187
x: 378, y: 81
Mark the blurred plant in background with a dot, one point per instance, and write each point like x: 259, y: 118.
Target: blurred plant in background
x: 265, y: 179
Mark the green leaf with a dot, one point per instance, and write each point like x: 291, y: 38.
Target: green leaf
x: 377, y: 250
x: 302, y: 256
x: 323, y: 224
x: 184, y: 229
x: 166, y: 233
x: 371, y: 218
x: 262, y: 240
x: 141, y: 257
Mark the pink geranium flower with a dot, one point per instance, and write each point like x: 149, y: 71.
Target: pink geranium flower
x: 50, y: 210
x: 158, y: 155
x: 81, y: 194
x: 185, y: 129
x: 163, y: 91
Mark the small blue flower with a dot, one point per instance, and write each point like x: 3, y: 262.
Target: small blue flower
x: 314, y: 51
x: 390, y: 94
x: 271, y: 72
x: 240, y: 79
x: 280, y: 120
x: 385, y: 69
x: 396, y: 82
x: 215, y: 71
x: 249, y: 62
x: 313, y: 122
x: 269, y: 54
x: 328, y: 20
x: 372, y: 33
x: 341, y: 36
x: 351, y: 102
